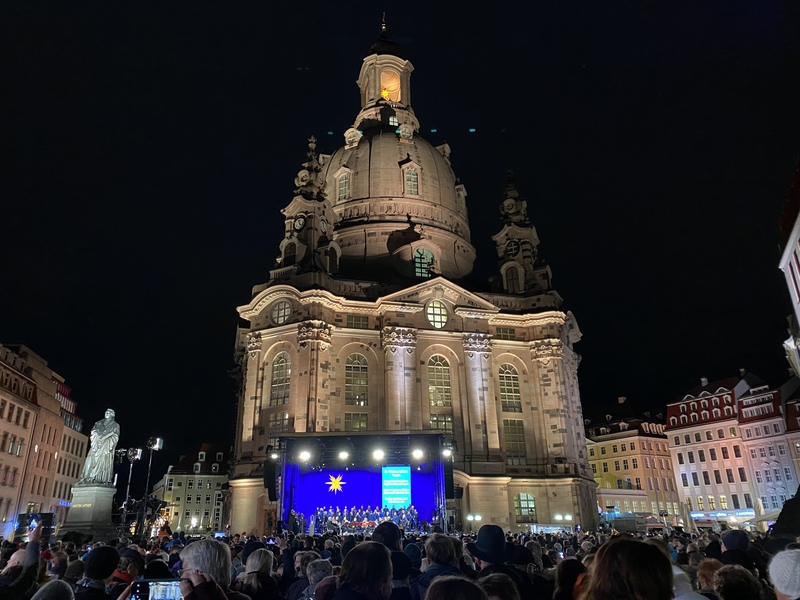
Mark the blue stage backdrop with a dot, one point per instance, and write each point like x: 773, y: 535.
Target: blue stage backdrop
x: 393, y: 485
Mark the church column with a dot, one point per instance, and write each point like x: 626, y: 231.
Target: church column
x: 399, y: 345
x: 480, y: 386
x: 250, y: 390
x: 313, y: 339
x: 551, y: 372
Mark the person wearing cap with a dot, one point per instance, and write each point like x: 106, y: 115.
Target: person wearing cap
x: 441, y: 556
x: 784, y: 571
x: 491, y: 552
x: 100, y: 564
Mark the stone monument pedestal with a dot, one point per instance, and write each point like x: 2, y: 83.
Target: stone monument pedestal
x: 90, y: 513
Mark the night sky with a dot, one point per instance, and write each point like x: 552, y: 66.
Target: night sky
x: 147, y: 150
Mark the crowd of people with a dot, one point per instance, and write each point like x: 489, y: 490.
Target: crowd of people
x: 392, y: 564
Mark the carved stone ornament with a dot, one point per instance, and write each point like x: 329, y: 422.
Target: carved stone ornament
x: 477, y: 342
x: 393, y: 338
x: 314, y: 331
x: 544, y: 350
x: 253, y: 344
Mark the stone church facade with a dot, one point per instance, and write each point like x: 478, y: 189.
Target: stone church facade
x: 369, y: 322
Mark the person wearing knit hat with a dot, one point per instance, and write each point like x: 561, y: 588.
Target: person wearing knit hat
x: 735, y: 539
x: 784, y: 571
x: 99, y: 568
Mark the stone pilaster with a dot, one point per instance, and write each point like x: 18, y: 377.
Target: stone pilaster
x: 484, y: 432
x: 399, y: 347
x: 314, y: 340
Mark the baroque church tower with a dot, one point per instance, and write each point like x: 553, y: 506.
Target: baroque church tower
x: 369, y: 322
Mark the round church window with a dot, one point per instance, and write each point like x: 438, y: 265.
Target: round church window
x: 436, y: 312
x: 281, y: 312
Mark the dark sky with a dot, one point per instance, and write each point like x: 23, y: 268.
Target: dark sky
x: 147, y: 150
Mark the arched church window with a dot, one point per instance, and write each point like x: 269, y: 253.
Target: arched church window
x: 390, y: 85
x: 423, y: 261
x: 289, y: 254
x: 344, y: 186
x: 512, y: 280
x: 439, y: 391
x: 509, y: 389
x: 356, y: 378
x: 279, y: 384
x: 412, y: 182
x: 525, y: 508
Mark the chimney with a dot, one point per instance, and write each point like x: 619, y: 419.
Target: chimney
x: 704, y: 381
x: 742, y: 372
x: 622, y: 399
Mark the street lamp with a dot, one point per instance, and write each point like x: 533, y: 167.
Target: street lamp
x: 132, y: 454
x: 154, y: 443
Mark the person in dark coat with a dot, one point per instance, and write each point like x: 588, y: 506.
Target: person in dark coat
x: 401, y: 576
x: 366, y: 573
x: 441, y: 555
x: 491, y: 552
x: 19, y: 575
x: 98, y: 572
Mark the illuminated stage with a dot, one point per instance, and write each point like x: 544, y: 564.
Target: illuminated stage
x: 349, y: 472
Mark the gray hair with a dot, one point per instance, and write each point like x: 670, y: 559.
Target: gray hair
x: 54, y: 590
x: 211, y: 557
x: 319, y: 569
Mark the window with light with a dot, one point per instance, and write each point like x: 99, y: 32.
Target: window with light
x: 344, y: 186
x: 279, y: 384
x: 510, y: 398
x: 356, y: 377
x: 281, y: 312
x: 412, y: 182
x: 439, y: 392
x: 423, y: 261
x: 514, y: 438
x: 436, y: 312
x: 525, y: 508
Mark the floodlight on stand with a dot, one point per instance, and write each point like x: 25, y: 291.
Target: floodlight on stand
x: 447, y: 453
x: 378, y: 454
x: 305, y: 455
x: 478, y: 517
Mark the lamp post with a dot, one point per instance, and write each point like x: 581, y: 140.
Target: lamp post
x: 132, y: 454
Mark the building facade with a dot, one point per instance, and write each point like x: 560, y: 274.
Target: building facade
x: 764, y: 434
x: 715, y: 476
x: 193, y: 488
x: 34, y: 429
x: 369, y: 322
x: 632, y: 466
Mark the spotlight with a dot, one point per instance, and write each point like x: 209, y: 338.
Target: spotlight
x: 344, y: 455
x: 305, y: 455
x: 378, y: 454
x: 417, y: 453
x: 274, y: 456
x: 447, y: 453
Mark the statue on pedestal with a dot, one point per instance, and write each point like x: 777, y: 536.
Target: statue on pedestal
x: 99, y: 466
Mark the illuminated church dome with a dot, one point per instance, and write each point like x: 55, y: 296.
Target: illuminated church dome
x: 398, y: 203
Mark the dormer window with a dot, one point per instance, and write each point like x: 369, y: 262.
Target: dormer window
x: 344, y: 187
x: 423, y: 262
x: 219, y: 456
x: 215, y: 468
x: 412, y: 181
x: 201, y: 456
x: 196, y: 467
